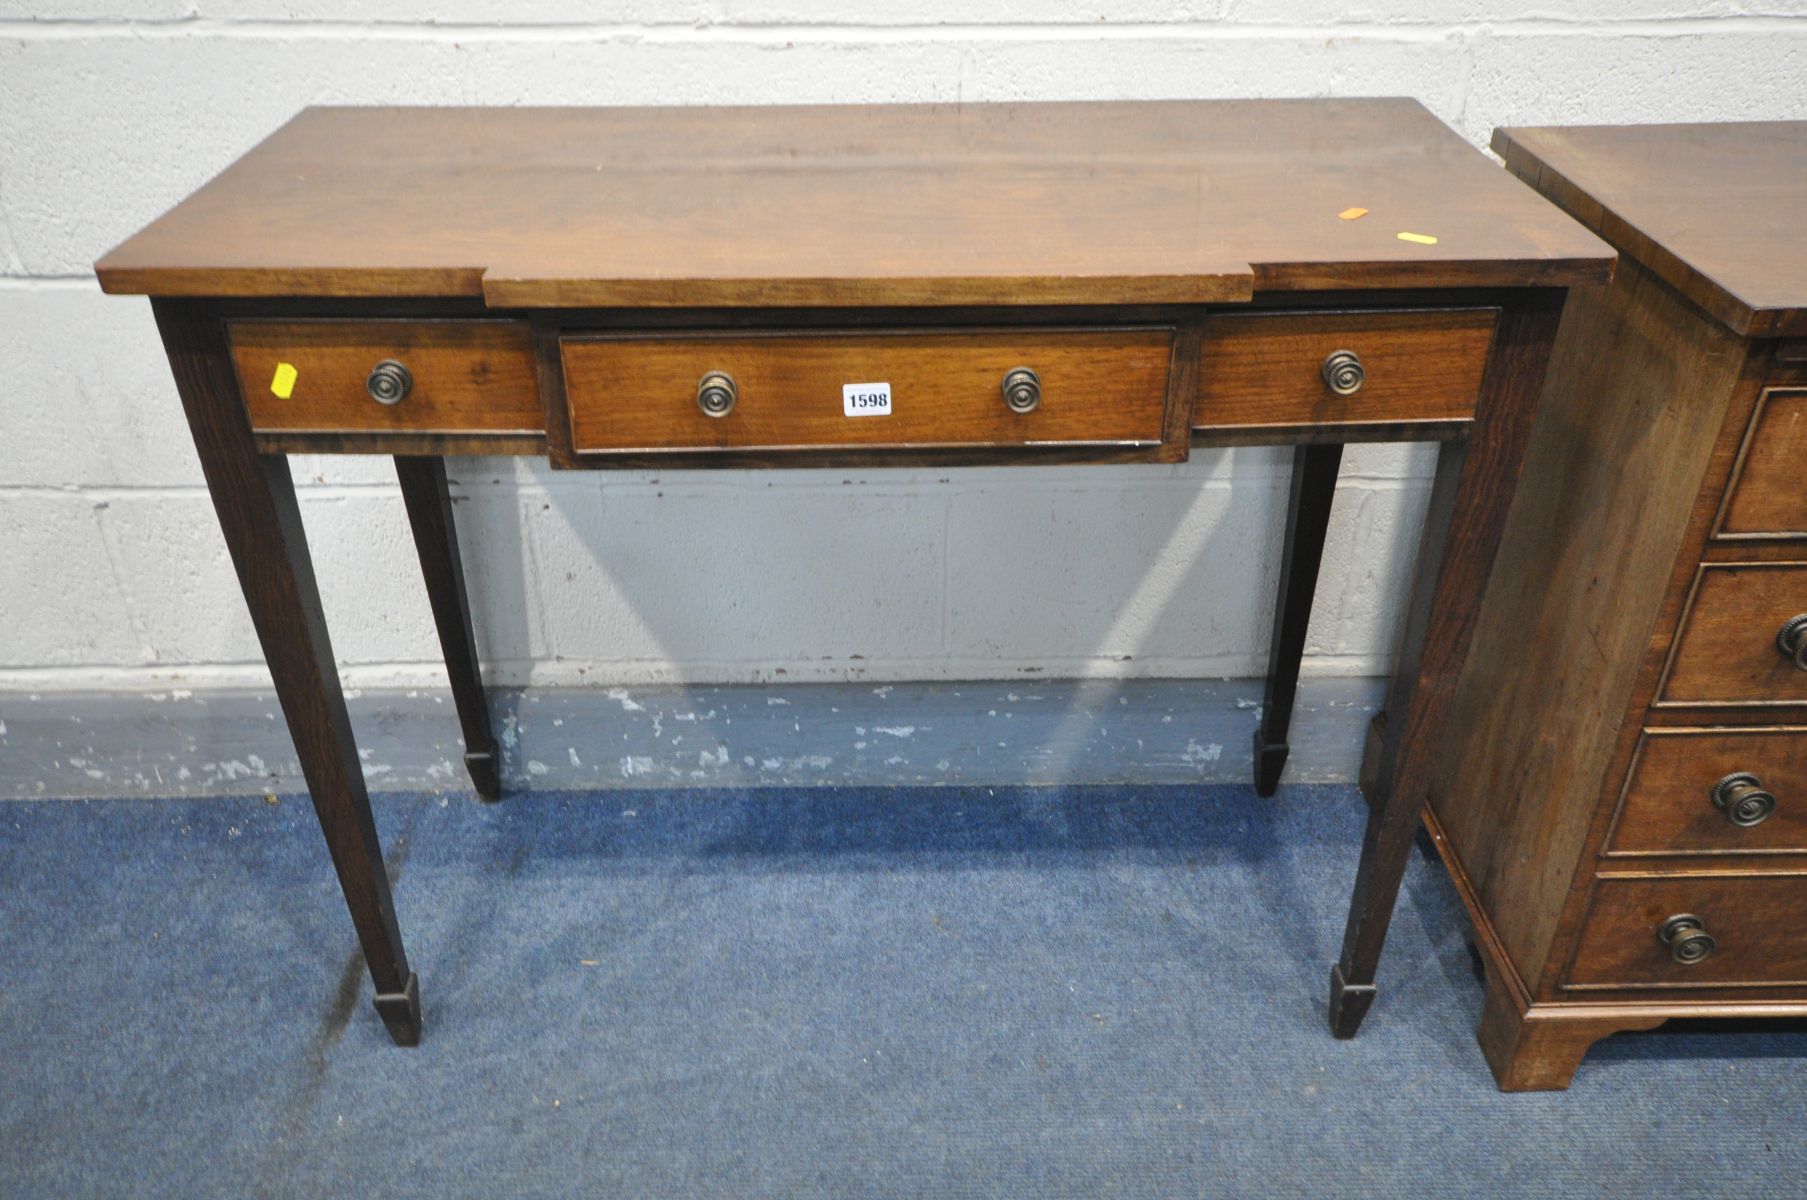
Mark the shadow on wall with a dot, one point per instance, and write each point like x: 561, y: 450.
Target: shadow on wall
x: 972, y: 574
x: 739, y: 576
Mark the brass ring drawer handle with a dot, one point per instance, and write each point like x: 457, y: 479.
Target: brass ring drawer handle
x: 1343, y: 372
x: 1791, y: 640
x: 389, y: 382
x: 1743, y: 799
x: 1022, y: 389
x: 716, y: 392
x: 1686, y: 938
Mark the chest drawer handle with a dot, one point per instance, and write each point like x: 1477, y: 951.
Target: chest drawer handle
x: 1022, y: 389
x: 1743, y: 800
x: 716, y: 393
x: 389, y: 382
x: 1687, y: 939
x: 1791, y: 640
x: 1343, y: 372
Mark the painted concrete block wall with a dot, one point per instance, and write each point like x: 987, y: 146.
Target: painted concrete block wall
x: 112, y: 573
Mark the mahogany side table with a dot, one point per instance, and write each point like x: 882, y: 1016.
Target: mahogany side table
x: 858, y: 286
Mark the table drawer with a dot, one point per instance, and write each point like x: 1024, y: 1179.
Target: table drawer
x: 463, y: 377
x: 1276, y: 370
x: 1740, y: 640
x: 1718, y: 791
x: 1768, y: 495
x: 800, y: 391
x: 1755, y: 922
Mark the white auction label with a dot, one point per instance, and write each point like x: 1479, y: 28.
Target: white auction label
x: 866, y: 399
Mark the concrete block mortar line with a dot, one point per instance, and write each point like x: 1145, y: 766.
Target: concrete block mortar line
x: 912, y: 489
x: 648, y: 672
x: 740, y: 31
x: 12, y: 264
x: 1464, y: 90
x: 125, y: 581
x: 16, y: 278
x: 947, y: 519
x: 536, y: 596
x: 870, y: 481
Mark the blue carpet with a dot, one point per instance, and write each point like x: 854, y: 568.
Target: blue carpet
x: 960, y: 992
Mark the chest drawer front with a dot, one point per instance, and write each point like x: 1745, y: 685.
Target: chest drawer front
x: 1284, y: 370
x: 1768, y: 496
x: 808, y: 391
x: 1722, y: 791
x: 1755, y: 923
x: 1740, y: 640
x: 469, y: 377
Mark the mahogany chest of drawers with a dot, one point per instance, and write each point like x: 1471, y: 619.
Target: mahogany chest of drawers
x: 1624, y: 802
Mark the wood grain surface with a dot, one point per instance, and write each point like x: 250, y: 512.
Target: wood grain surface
x: 1718, y: 211
x: 1530, y: 1052
x: 1121, y: 202
x: 254, y: 496
x: 1638, y: 391
x: 427, y: 496
x: 1264, y: 369
x: 1668, y: 808
x: 1726, y: 651
x: 1098, y: 386
x: 1465, y: 523
x: 1756, y: 920
x: 1769, y: 494
x: 470, y: 377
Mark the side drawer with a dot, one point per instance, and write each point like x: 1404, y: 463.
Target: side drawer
x: 1670, y: 805
x: 1739, y: 641
x: 463, y: 377
x: 815, y: 391
x: 1268, y: 370
x: 1755, y: 922
x: 1767, y: 496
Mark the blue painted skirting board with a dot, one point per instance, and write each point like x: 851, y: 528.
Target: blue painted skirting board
x: 853, y: 734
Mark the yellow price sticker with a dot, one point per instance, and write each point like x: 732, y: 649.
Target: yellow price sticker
x: 282, y: 386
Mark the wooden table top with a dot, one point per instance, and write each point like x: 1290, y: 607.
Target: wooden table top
x: 1719, y: 211
x: 1071, y: 203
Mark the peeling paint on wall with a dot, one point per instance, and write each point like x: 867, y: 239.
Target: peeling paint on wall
x: 1102, y: 731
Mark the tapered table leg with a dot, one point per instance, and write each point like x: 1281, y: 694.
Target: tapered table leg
x: 1307, y: 519
x: 254, y: 496
x: 429, y: 504
x: 1472, y: 492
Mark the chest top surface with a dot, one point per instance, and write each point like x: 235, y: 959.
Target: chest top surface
x: 1121, y: 202
x: 1717, y: 210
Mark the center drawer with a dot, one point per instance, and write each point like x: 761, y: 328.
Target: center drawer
x: 891, y: 390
